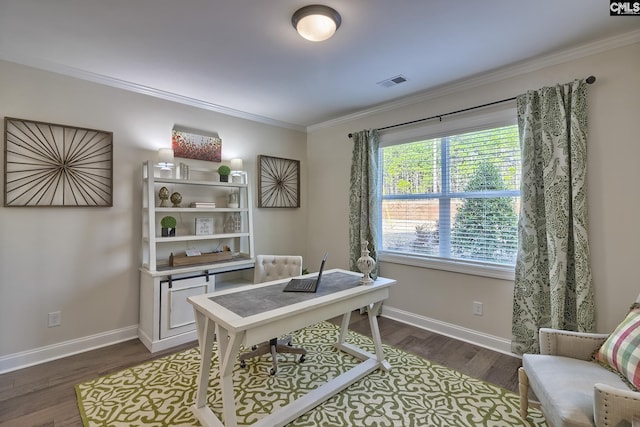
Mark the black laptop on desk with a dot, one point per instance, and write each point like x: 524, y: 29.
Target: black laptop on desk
x: 306, y: 285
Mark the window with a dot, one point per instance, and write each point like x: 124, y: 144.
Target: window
x: 453, y: 199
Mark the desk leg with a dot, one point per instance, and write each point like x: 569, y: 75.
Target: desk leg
x: 206, y: 337
x: 375, y: 334
x: 200, y: 325
x: 206, y: 333
x: 344, y: 328
x: 228, y: 348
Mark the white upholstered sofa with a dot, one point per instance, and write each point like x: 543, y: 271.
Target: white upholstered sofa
x: 573, y: 390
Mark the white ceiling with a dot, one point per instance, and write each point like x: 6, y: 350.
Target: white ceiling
x: 244, y: 57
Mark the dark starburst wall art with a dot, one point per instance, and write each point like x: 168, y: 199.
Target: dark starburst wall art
x: 51, y: 165
x: 278, y: 182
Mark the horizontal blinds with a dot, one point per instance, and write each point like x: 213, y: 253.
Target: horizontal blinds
x: 454, y: 197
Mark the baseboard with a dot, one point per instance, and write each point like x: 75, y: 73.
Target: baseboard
x: 36, y: 356
x: 13, y: 362
x: 166, y: 343
x: 454, y: 331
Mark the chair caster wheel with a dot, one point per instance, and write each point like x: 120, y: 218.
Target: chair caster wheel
x: 243, y: 364
x: 272, y: 371
x: 302, y: 359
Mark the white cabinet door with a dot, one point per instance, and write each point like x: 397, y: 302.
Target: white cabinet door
x: 176, y: 314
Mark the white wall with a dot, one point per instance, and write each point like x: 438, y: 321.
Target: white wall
x: 84, y: 261
x: 434, y: 297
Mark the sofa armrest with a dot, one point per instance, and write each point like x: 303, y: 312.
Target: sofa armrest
x: 577, y: 345
x: 614, y: 406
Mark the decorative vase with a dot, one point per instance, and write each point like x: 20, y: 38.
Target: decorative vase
x: 176, y: 199
x: 224, y: 178
x: 233, y: 200
x: 163, y: 194
x: 366, y: 264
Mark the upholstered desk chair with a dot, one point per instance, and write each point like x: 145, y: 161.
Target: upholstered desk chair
x: 267, y: 268
x: 576, y: 391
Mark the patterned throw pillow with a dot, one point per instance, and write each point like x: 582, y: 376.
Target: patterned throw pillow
x: 621, y: 351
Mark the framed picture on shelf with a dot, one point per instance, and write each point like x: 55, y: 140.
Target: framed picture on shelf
x: 278, y: 182
x: 204, y: 226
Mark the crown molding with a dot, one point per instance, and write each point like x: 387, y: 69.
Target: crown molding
x: 447, y: 89
x: 513, y: 70
x: 141, y: 89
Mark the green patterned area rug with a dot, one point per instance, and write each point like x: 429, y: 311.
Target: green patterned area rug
x: 415, y: 392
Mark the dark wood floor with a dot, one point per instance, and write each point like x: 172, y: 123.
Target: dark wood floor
x: 44, y: 395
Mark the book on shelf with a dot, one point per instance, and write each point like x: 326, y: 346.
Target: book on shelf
x: 203, y: 204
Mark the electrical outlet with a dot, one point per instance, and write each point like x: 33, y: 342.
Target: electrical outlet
x: 477, y: 308
x: 55, y: 318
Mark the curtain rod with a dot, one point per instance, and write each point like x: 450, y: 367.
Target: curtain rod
x: 589, y: 80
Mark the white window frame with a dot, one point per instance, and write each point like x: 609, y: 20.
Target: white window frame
x: 504, y: 115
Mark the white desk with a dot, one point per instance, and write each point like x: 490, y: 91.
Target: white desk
x: 256, y: 313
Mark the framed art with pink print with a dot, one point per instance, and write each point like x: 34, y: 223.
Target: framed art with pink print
x: 189, y: 145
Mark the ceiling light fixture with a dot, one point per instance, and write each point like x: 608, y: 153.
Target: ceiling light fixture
x: 316, y: 22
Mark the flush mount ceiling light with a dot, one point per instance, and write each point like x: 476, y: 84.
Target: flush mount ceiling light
x: 316, y: 22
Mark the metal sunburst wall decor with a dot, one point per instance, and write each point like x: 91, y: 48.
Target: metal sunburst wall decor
x: 52, y: 165
x: 278, y: 182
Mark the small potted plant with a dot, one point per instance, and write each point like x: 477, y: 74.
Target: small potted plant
x: 224, y: 172
x: 168, y: 224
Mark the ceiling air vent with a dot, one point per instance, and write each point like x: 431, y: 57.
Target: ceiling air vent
x: 392, y: 81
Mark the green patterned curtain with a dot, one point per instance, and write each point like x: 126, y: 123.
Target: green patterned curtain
x: 553, y: 274
x: 363, y: 197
